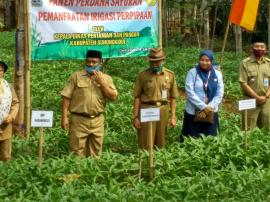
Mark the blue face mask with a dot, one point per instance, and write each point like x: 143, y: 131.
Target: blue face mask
x: 156, y: 69
x: 91, y: 69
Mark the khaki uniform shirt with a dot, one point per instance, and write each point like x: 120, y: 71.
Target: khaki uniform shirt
x: 148, y: 86
x: 85, y: 94
x: 256, y: 74
x: 7, y: 128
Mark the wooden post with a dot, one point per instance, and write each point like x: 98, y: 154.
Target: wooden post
x: 18, y: 73
x: 224, y: 42
x: 150, y: 151
x: 27, y: 69
x: 160, y: 23
x: 40, y: 146
x: 140, y: 164
x: 246, y: 128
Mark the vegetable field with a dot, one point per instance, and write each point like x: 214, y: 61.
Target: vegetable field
x: 206, y: 169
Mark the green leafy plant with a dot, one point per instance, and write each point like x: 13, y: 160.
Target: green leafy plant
x: 204, y: 169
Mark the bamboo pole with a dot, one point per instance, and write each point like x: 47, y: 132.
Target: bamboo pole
x: 224, y: 42
x: 160, y: 23
x: 18, y: 73
x: 150, y: 151
x: 27, y: 69
x: 40, y: 146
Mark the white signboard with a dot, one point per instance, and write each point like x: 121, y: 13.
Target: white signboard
x: 150, y: 114
x: 247, y: 104
x: 42, y: 119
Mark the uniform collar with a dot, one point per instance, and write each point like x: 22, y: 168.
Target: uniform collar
x: 254, y: 59
x: 83, y: 73
x: 161, y: 73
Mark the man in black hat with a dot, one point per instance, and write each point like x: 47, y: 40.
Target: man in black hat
x: 84, y: 96
x: 254, y: 75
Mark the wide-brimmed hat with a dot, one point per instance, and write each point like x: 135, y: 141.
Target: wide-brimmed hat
x: 156, y: 54
x: 4, y: 65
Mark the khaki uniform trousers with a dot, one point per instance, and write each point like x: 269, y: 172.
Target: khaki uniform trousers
x: 5, y: 142
x: 158, y: 129
x: 86, y: 135
x: 258, y: 117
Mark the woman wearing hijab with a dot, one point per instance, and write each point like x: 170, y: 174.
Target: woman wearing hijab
x: 204, y: 88
x: 9, y: 106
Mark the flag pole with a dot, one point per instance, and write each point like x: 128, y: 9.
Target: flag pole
x: 224, y: 42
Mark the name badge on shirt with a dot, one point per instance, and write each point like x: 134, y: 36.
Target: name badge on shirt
x: 164, y: 94
x: 266, y: 82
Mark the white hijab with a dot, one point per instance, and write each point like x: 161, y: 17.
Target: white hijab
x: 5, y: 99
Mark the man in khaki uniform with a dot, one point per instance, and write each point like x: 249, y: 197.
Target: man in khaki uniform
x: 84, y: 96
x: 155, y: 87
x: 254, y: 75
x: 9, y: 106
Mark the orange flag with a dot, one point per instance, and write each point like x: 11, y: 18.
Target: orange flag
x: 244, y: 13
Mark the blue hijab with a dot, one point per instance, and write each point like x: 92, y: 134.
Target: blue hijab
x: 209, y: 78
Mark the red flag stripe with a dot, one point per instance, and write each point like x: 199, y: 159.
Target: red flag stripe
x: 237, y: 10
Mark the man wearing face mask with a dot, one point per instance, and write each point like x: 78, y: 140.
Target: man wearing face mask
x: 84, y: 96
x: 254, y: 75
x: 155, y: 87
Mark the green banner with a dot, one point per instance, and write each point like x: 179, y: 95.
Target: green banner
x: 63, y: 30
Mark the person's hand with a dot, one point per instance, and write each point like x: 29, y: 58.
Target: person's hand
x: 8, y: 119
x: 207, y: 110
x: 136, y: 123
x: 99, y: 78
x: 261, y: 100
x: 172, y: 122
x: 64, y: 122
x: 202, y: 114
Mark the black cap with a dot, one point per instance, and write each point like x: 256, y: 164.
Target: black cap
x: 4, y: 65
x: 93, y: 54
x: 257, y: 39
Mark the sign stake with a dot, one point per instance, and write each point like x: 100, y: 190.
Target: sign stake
x: 41, y: 119
x: 150, y: 151
x: 40, y: 146
x: 245, y: 126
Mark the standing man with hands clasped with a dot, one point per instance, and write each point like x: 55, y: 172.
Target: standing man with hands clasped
x: 254, y: 75
x: 155, y: 87
x: 84, y: 96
